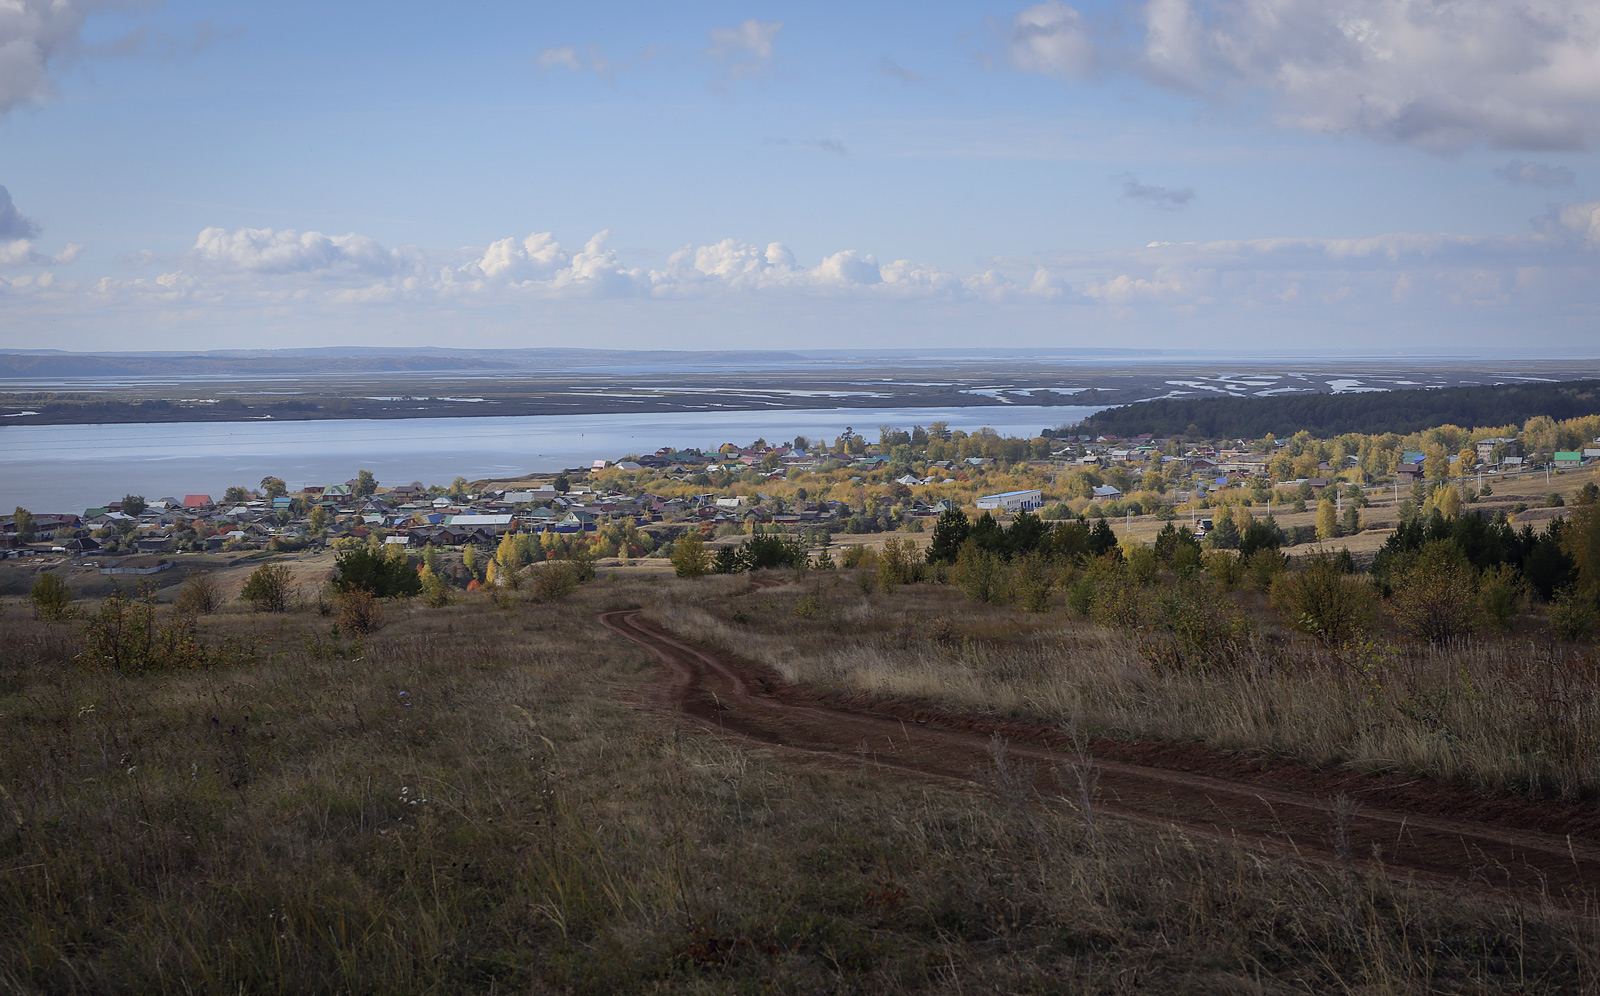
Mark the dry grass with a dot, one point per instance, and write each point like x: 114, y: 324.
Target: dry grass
x: 466, y: 802
x: 1502, y: 714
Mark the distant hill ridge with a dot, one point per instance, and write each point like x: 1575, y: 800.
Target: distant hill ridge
x: 1324, y: 415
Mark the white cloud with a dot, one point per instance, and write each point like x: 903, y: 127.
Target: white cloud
x: 745, y: 49
x: 1574, y: 220
x: 748, y: 38
x: 1442, y: 76
x: 265, y: 251
x: 1051, y: 38
x: 565, y: 57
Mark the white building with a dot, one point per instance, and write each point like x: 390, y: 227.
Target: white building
x: 1014, y: 501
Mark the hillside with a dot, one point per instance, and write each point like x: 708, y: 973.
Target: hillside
x: 1328, y: 415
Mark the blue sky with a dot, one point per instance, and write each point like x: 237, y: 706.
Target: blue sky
x: 1251, y: 174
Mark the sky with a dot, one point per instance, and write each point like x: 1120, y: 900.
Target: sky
x: 1267, y: 176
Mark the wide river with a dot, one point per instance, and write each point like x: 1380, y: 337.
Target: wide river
x: 66, y: 468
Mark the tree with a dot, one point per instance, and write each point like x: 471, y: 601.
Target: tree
x: 1350, y: 523
x: 469, y: 559
x: 269, y: 588
x: 26, y: 529
x: 235, y: 495
x: 561, y: 483
x: 460, y: 486
x: 273, y: 487
x: 371, y: 571
x: 318, y: 520
x: 1437, y: 598
x: 434, y: 591
x: 690, y: 558
x: 366, y: 484
x: 948, y: 534
x: 50, y: 596
x: 1327, y: 521
x: 134, y: 505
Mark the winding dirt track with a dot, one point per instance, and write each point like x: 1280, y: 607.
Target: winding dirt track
x: 740, y: 699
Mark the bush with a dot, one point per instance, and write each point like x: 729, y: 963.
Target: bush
x: 856, y: 555
x: 1263, y: 567
x: 373, y: 571
x: 690, y: 558
x: 359, y: 612
x: 1224, y: 567
x: 51, y: 598
x: 1323, y: 600
x: 1033, y: 578
x: 1199, y: 626
x: 435, y: 592
x: 1436, y: 599
x: 899, y: 564
x: 269, y: 588
x: 199, y: 595
x: 982, y: 575
x: 1142, y: 565
x: 1572, y: 616
x: 1500, y: 591
x: 124, y: 636
x: 556, y: 579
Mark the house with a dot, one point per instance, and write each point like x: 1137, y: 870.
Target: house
x: 1106, y: 492
x: 1014, y: 501
x: 494, y: 525
x: 1568, y: 459
x: 1506, y: 445
x: 197, y: 501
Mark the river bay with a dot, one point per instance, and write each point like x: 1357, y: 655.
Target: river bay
x: 66, y: 468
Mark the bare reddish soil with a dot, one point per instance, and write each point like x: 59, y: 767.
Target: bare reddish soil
x: 1417, y: 831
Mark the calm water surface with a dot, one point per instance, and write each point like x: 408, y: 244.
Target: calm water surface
x: 66, y: 468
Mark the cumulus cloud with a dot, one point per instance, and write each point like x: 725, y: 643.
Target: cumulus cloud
x: 34, y: 34
x: 564, y: 57
x: 1051, y: 38
x: 12, y: 224
x: 1573, y: 222
x: 1535, y: 174
x: 265, y: 251
x: 1439, y: 76
x: 1161, y: 197
x: 745, y: 49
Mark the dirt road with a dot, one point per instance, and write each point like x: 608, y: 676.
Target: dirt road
x: 744, y: 700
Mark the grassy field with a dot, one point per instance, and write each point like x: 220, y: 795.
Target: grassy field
x: 471, y: 800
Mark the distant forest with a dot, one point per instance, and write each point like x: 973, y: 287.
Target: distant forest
x: 1327, y: 415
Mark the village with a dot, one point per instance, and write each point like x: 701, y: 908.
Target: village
x: 634, y: 507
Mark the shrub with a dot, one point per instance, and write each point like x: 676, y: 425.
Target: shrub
x: 124, y: 636
x: 199, y: 595
x: 1572, y: 616
x: 1323, y: 600
x: 1224, y: 567
x: 435, y: 592
x: 824, y: 561
x: 898, y: 564
x: 51, y: 598
x: 269, y: 588
x: 556, y: 579
x: 981, y: 574
x: 359, y: 612
x: 690, y: 558
x: 1436, y: 599
x: 370, y: 570
x: 1142, y: 565
x: 857, y: 555
x: 1198, y: 626
x: 1263, y: 567
x: 1033, y: 578
x: 1500, y: 591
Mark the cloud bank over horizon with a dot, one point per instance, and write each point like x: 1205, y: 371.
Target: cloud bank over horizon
x: 1154, y: 171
